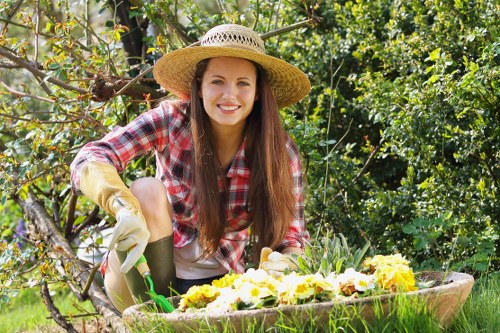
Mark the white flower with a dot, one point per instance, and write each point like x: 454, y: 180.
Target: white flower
x: 333, y: 280
x: 227, y: 301
x: 251, y: 293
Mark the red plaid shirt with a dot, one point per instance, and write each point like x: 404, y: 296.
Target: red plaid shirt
x: 165, y: 131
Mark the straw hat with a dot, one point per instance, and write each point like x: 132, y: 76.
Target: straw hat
x: 175, y: 70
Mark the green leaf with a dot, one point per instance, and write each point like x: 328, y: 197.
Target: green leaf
x: 434, y: 55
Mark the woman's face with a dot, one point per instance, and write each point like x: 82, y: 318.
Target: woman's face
x: 228, y: 91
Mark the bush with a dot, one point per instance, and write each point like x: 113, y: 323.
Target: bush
x: 409, y: 90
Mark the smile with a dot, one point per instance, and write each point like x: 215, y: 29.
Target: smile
x: 228, y: 108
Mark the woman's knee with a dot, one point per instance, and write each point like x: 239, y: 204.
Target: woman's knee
x: 149, y: 191
x: 152, y: 196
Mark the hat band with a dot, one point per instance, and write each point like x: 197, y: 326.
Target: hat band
x: 233, y: 40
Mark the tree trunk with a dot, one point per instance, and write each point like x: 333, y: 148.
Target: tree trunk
x: 45, y: 228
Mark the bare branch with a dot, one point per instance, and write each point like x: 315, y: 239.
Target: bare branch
x: 77, y: 119
x: 5, y: 52
x: 70, y: 215
x: 367, y: 163
x: 54, y: 311
x: 312, y: 21
x: 22, y: 94
x: 90, y: 220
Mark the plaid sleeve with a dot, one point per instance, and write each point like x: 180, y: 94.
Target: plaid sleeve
x: 297, y: 233
x: 142, y: 135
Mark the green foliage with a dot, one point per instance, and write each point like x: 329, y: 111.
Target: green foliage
x: 331, y: 254
x: 401, y: 138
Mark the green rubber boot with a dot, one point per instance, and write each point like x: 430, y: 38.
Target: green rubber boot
x: 160, y: 257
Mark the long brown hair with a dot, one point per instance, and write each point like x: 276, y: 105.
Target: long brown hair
x: 271, y: 199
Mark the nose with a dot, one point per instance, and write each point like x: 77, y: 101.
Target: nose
x: 229, y: 91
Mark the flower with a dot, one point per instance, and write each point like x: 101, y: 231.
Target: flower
x: 299, y: 289
x: 392, y: 272
x: 381, y: 260
x: 351, y: 282
x: 252, y: 294
x: 225, y: 281
x: 256, y: 288
x: 258, y: 277
x: 198, y: 297
x: 396, y: 278
x: 227, y: 301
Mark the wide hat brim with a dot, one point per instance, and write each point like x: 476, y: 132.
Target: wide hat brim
x: 175, y: 71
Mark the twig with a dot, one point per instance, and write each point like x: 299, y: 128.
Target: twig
x: 93, y: 314
x: 71, y: 215
x: 368, y: 161
x: 7, y: 21
x: 90, y: 220
x: 22, y: 94
x: 77, y: 119
x: 131, y: 82
x: 5, y: 52
x: 90, y: 280
x: 56, y: 315
x: 313, y: 20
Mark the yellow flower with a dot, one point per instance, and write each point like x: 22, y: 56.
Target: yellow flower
x: 396, y: 277
x: 225, y: 281
x: 381, y: 260
x: 198, y: 297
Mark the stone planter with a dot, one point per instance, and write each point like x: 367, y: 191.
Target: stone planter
x: 443, y: 301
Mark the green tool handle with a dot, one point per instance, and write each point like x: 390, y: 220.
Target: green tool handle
x: 142, y: 266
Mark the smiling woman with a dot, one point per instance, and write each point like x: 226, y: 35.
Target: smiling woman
x: 228, y: 91
x: 224, y: 165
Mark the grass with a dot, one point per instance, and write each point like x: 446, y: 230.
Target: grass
x: 481, y: 311
x: 479, y: 314
x: 26, y: 311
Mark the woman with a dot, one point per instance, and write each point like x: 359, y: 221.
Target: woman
x: 223, y: 163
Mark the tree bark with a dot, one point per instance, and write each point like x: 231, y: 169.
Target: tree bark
x: 45, y: 228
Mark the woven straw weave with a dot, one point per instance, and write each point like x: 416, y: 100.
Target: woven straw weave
x: 175, y: 70
x: 237, y: 37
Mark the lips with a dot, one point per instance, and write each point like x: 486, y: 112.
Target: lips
x: 228, y: 108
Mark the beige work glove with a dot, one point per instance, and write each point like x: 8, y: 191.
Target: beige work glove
x: 101, y: 183
x: 275, y: 263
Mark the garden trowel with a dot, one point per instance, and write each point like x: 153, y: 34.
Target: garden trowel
x: 160, y: 300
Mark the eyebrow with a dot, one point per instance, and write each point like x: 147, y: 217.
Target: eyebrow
x: 223, y: 77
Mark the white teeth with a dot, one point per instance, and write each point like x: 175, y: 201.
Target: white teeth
x: 228, y: 108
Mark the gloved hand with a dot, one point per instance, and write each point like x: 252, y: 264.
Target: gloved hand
x: 101, y: 183
x: 275, y: 263
x: 130, y: 234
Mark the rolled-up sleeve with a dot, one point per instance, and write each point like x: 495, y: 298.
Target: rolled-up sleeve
x: 142, y: 135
